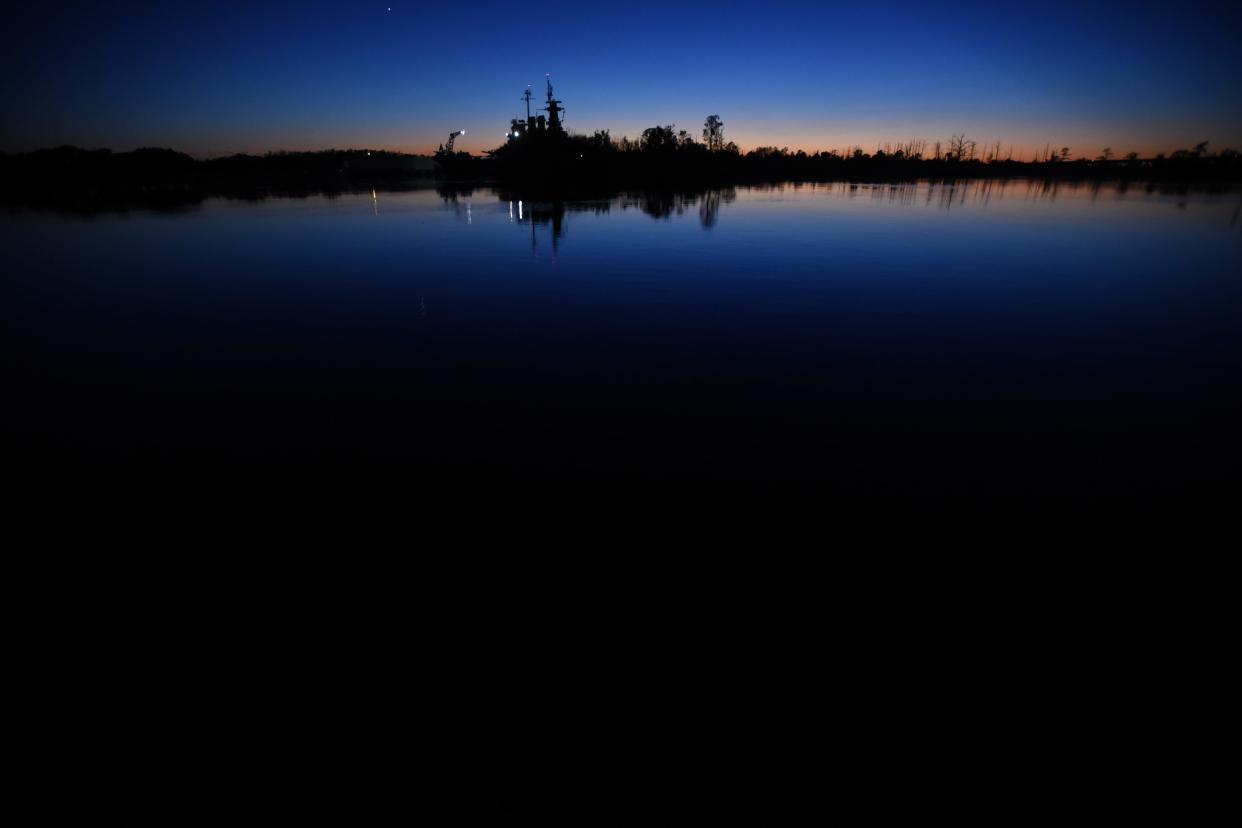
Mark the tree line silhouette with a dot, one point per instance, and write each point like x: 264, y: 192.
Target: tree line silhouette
x: 70, y: 177
x: 560, y: 161
x: 665, y: 153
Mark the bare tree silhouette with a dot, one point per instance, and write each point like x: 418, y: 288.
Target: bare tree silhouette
x: 713, y: 133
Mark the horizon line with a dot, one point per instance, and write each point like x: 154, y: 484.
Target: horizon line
x: 1018, y: 154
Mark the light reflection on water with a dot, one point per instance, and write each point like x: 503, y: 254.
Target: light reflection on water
x: 1010, y: 197
x: 999, y: 334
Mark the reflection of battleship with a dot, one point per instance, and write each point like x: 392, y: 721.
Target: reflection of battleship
x: 539, y: 214
x: 657, y: 204
x: 534, y: 210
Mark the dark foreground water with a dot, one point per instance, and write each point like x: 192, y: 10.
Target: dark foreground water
x: 400, y: 500
x: 988, y: 337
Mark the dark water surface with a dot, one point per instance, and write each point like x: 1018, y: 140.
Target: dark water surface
x: 997, y: 337
x: 609, y: 454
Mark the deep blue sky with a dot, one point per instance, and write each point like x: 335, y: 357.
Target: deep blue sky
x: 217, y: 78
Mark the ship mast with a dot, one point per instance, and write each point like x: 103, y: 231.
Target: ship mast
x: 554, y: 109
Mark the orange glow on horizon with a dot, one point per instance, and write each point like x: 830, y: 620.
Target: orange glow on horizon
x: 1023, y: 150
x: 476, y: 141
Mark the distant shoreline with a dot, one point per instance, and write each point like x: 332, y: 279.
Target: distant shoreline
x: 70, y: 178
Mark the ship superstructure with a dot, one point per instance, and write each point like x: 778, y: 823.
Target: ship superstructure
x: 538, y: 124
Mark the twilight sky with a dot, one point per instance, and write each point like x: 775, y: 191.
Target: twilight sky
x: 216, y: 78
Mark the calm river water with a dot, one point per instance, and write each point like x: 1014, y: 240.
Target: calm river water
x: 987, y: 337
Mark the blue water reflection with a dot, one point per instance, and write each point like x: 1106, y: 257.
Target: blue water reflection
x: 985, y: 336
